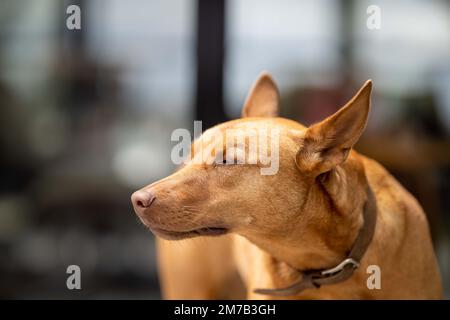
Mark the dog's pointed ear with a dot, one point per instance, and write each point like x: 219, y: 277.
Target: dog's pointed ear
x: 327, y: 143
x: 263, y: 99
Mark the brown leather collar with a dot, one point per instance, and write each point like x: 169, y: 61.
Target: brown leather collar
x: 345, y: 269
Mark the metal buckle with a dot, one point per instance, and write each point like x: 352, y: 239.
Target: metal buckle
x: 341, y: 266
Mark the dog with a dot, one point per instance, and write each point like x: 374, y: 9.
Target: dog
x: 329, y: 224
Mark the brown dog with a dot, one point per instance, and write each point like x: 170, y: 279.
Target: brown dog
x: 329, y: 224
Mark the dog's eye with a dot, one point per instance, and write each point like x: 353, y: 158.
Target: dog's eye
x: 224, y: 162
x: 228, y: 162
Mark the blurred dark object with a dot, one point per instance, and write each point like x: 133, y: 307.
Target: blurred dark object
x: 210, y: 59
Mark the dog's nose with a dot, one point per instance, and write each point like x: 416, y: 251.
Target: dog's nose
x: 142, y: 199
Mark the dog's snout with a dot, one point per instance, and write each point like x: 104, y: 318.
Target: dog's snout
x: 142, y: 199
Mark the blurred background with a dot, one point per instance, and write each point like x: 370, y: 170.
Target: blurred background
x: 86, y: 115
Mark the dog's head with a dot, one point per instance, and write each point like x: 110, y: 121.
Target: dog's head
x: 260, y: 176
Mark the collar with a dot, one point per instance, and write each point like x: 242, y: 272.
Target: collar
x: 345, y: 269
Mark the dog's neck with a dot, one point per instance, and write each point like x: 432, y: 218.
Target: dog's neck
x: 336, y: 199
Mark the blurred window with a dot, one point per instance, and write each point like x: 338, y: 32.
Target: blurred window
x: 152, y: 42
x: 294, y: 40
x: 413, y: 42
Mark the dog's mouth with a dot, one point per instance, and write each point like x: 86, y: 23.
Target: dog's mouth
x: 178, y: 235
x: 217, y: 229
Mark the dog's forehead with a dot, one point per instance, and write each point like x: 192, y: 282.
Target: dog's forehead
x: 237, y: 127
x: 241, y: 126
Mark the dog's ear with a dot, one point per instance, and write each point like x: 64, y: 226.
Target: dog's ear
x: 263, y: 99
x: 327, y: 143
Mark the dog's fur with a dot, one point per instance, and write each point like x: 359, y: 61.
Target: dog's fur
x: 306, y: 216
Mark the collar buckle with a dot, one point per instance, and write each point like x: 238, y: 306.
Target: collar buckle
x: 341, y: 266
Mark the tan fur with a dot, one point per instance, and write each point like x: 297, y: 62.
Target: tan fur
x: 306, y: 216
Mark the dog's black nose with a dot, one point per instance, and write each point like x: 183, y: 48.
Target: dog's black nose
x: 142, y: 199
